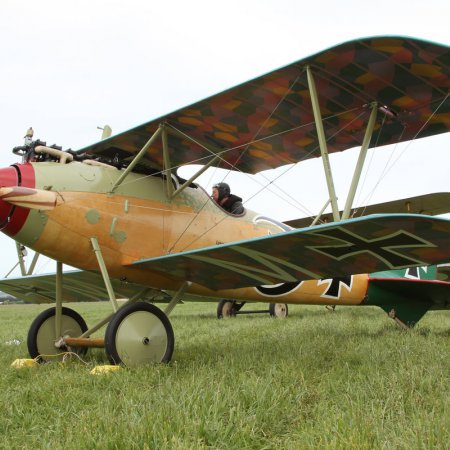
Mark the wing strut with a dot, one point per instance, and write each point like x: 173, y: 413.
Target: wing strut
x: 21, y: 252
x: 360, y: 162
x: 137, y: 158
x: 177, y: 297
x: 163, y: 131
x: 33, y: 263
x: 322, y: 144
x: 317, y: 218
x: 166, y: 158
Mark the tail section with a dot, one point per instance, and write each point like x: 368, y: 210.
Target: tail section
x: 406, y: 295
x: 412, y: 273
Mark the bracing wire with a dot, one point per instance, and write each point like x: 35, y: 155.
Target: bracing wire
x: 388, y: 167
x: 270, y: 182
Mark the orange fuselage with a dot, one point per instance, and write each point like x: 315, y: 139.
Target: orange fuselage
x: 139, y: 221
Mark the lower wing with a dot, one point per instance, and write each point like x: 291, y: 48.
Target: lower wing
x: 363, y: 245
x: 78, y: 286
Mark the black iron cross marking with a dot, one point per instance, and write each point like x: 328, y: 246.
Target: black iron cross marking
x: 385, y: 248
x: 335, y: 285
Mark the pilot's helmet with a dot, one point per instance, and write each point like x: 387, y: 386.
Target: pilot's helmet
x: 223, y: 189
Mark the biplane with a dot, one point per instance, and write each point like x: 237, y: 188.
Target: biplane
x: 120, y: 213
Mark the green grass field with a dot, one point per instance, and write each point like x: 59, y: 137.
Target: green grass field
x: 348, y: 379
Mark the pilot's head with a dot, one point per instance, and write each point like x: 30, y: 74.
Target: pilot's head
x: 220, y: 191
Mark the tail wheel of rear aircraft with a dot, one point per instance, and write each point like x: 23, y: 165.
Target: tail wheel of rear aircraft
x: 138, y: 334
x: 278, y: 310
x: 42, y: 337
x: 227, y: 309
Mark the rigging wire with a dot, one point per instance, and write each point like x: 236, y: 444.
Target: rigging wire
x: 387, y: 169
x: 270, y: 182
x: 202, y: 159
x: 193, y: 218
x: 420, y: 130
x: 296, y: 204
x: 289, y: 90
x: 292, y: 166
x: 263, y: 186
x: 383, y: 173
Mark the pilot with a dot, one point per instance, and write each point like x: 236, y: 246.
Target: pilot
x: 222, y: 195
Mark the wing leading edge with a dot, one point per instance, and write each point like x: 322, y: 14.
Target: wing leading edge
x: 362, y: 245
x: 268, y: 121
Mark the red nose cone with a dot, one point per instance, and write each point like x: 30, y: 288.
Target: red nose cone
x: 12, y: 217
x: 8, y: 177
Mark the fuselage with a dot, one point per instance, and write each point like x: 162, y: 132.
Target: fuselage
x: 139, y: 221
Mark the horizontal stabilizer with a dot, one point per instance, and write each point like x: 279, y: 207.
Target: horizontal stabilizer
x: 363, y: 245
x: 407, y: 300
x: 435, y: 292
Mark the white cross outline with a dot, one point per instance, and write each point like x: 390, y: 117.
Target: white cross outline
x: 388, y: 248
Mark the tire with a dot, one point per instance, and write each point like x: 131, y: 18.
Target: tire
x: 278, y: 310
x: 139, y: 334
x: 41, y: 335
x: 226, y: 309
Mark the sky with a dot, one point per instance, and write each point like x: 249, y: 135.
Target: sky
x: 70, y: 67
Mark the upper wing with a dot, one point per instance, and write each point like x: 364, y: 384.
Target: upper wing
x: 363, y: 245
x: 78, y: 286
x: 429, y: 204
x: 268, y: 122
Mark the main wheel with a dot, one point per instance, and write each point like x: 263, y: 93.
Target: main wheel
x: 42, y: 337
x: 278, y: 310
x: 138, y: 334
